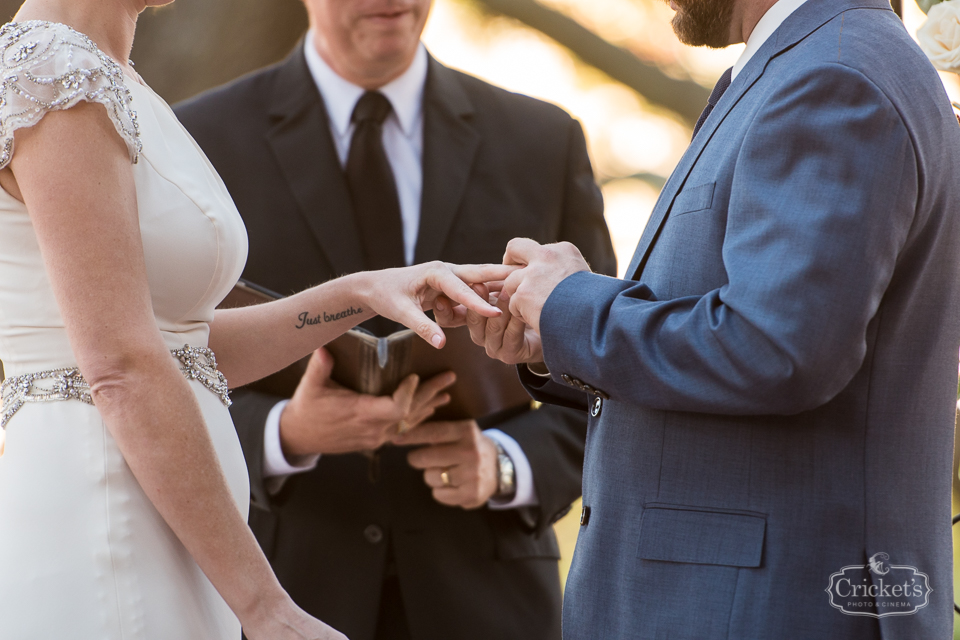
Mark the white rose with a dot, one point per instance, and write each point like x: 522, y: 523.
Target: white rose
x: 940, y: 36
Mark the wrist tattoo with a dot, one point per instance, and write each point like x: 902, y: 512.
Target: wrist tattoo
x: 307, y: 320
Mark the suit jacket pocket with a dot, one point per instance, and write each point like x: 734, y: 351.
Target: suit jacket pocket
x: 676, y: 533
x: 693, y: 199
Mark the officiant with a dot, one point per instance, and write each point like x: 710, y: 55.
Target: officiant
x: 362, y: 151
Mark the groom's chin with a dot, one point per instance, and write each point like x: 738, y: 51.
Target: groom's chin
x: 703, y: 23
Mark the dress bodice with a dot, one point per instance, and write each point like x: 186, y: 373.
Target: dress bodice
x: 194, y: 240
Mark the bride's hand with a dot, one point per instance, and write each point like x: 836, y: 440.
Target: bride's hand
x: 291, y: 622
x: 405, y: 294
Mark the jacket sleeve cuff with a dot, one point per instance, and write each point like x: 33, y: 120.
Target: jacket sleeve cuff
x: 276, y: 466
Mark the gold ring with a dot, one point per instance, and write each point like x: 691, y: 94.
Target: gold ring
x: 403, y: 427
x: 445, y: 478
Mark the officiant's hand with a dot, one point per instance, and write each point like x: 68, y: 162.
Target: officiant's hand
x: 463, y: 452
x: 326, y: 418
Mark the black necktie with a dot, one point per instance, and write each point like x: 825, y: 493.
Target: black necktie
x: 373, y: 192
x: 373, y: 189
x: 718, y: 90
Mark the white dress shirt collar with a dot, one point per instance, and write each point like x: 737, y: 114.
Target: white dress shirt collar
x: 768, y: 24
x: 340, y: 96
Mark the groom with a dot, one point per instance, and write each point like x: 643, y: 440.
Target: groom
x: 771, y: 391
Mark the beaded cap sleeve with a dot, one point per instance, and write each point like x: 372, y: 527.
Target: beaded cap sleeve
x: 46, y: 66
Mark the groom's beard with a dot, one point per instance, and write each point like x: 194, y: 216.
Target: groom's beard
x: 703, y: 22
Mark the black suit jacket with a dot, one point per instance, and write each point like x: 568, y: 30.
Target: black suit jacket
x: 495, y: 166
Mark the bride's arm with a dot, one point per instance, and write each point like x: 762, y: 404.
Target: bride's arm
x: 253, y: 342
x: 74, y: 174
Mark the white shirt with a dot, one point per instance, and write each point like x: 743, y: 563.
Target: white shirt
x: 403, y: 144
x: 768, y: 24
x: 402, y: 130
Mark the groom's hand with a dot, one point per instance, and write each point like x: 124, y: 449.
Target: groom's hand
x: 543, y: 267
x: 326, y: 418
x: 505, y: 338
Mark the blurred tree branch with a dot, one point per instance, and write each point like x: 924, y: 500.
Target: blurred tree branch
x: 684, y: 97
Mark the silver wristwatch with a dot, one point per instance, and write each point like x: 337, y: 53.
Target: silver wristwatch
x: 506, y: 475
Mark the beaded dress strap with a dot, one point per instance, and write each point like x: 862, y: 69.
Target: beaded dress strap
x: 48, y: 66
x: 196, y: 363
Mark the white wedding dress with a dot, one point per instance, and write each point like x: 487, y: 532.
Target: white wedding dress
x: 83, y: 553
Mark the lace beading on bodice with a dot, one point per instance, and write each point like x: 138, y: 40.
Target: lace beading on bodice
x: 46, y: 66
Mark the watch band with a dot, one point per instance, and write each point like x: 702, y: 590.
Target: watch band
x: 506, y: 475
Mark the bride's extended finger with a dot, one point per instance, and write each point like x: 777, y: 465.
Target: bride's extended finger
x: 409, y: 314
x: 482, y: 273
x: 444, y: 281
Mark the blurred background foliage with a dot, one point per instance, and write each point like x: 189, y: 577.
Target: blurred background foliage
x: 614, y: 64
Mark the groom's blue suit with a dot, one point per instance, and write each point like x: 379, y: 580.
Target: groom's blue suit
x: 772, y: 391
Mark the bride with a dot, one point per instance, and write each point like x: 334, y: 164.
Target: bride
x: 123, y: 491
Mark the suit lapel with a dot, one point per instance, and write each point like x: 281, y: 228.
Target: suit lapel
x: 450, y: 146
x: 303, y: 146
x: 804, y: 21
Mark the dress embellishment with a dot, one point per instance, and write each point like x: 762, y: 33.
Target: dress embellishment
x: 47, y: 66
x: 196, y: 363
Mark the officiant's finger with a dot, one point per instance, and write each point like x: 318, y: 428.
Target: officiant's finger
x: 433, y: 477
x: 430, y: 389
x: 449, y: 496
x: 521, y: 251
x: 423, y: 413
x: 403, y: 396
x: 431, y: 433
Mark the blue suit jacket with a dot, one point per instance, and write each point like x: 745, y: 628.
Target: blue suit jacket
x: 782, y: 365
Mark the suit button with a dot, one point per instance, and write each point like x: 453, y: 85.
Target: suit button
x: 585, y: 517
x: 373, y: 534
x: 567, y: 379
x: 597, y: 406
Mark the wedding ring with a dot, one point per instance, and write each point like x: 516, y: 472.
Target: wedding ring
x: 403, y: 427
x: 445, y: 477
